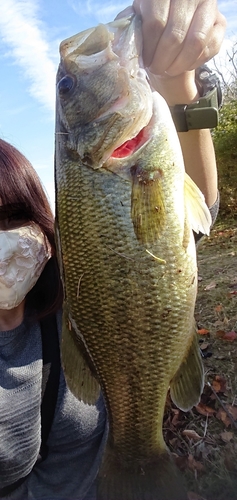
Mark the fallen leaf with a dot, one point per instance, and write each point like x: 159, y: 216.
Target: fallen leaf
x: 220, y: 333
x: 222, y: 414
x: 210, y: 286
x: 230, y: 336
x: 226, y: 436
x: 194, y: 464
x: 176, y: 418
x: 219, y: 384
x: 204, y: 346
x: 203, y: 331
x: 205, y: 410
x: 191, y: 435
x: 218, y: 308
x: 232, y: 410
x: 173, y: 442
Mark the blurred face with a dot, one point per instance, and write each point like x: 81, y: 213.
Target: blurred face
x: 24, y: 252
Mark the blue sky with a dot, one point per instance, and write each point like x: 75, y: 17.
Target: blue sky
x: 30, y: 34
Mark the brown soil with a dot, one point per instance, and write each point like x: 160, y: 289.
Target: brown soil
x: 204, y: 440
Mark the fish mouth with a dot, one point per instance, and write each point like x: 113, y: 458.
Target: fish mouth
x: 131, y: 146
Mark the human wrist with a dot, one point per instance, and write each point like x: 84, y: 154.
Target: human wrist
x: 179, y: 89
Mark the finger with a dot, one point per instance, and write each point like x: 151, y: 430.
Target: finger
x: 215, y: 41
x: 201, y: 44
x: 125, y: 13
x: 154, y: 18
x: 173, y: 37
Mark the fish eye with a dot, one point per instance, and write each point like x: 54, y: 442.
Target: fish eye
x: 65, y: 84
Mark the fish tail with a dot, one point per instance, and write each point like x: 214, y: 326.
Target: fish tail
x: 156, y: 480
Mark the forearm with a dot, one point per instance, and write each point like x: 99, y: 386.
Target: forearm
x: 200, y: 162
x: 197, y: 145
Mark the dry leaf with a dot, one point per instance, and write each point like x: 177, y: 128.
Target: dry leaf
x: 176, y: 418
x: 203, y: 331
x: 226, y: 436
x: 194, y: 464
x: 191, y: 435
x: 205, y: 410
x: 204, y: 346
x: 233, y: 411
x: 230, y: 336
x: 218, y: 308
x: 210, y: 286
x: 222, y: 415
x: 220, y: 333
x: 219, y: 384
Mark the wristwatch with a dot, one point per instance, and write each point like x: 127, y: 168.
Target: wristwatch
x: 202, y: 113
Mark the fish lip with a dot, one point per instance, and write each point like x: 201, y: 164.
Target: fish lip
x: 113, y: 46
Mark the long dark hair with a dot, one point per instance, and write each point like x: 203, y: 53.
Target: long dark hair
x: 20, y: 184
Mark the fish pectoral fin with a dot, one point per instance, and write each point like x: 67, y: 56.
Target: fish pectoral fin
x: 147, y: 204
x: 198, y: 212
x: 78, y: 374
x: 187, y: 385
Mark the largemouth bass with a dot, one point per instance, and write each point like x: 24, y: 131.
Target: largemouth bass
x: 125, y: 214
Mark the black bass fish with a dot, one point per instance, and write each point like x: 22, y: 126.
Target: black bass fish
x: 125, y: 214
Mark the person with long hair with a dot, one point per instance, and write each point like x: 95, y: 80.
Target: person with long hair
x: 50, y: 443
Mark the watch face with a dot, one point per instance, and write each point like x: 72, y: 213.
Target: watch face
x: 207, y: 80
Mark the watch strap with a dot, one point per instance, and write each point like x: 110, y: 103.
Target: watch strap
x: 198, y: 115
x: 202, y: 113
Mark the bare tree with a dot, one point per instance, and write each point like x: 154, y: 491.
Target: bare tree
x: 227, y: 72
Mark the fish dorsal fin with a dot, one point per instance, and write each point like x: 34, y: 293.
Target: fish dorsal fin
x: 187, y: 385
x: 198, y: 212
x: 78, y: 374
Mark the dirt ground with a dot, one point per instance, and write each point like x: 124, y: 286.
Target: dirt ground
x: 204, y: 440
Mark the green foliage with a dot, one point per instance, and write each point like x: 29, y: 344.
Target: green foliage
x: 225, y: 142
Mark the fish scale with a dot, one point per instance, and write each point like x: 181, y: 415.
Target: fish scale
x: 106, y: 307
x: 127, y: 258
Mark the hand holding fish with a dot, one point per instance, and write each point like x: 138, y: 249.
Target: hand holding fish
x: 179, y: 35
